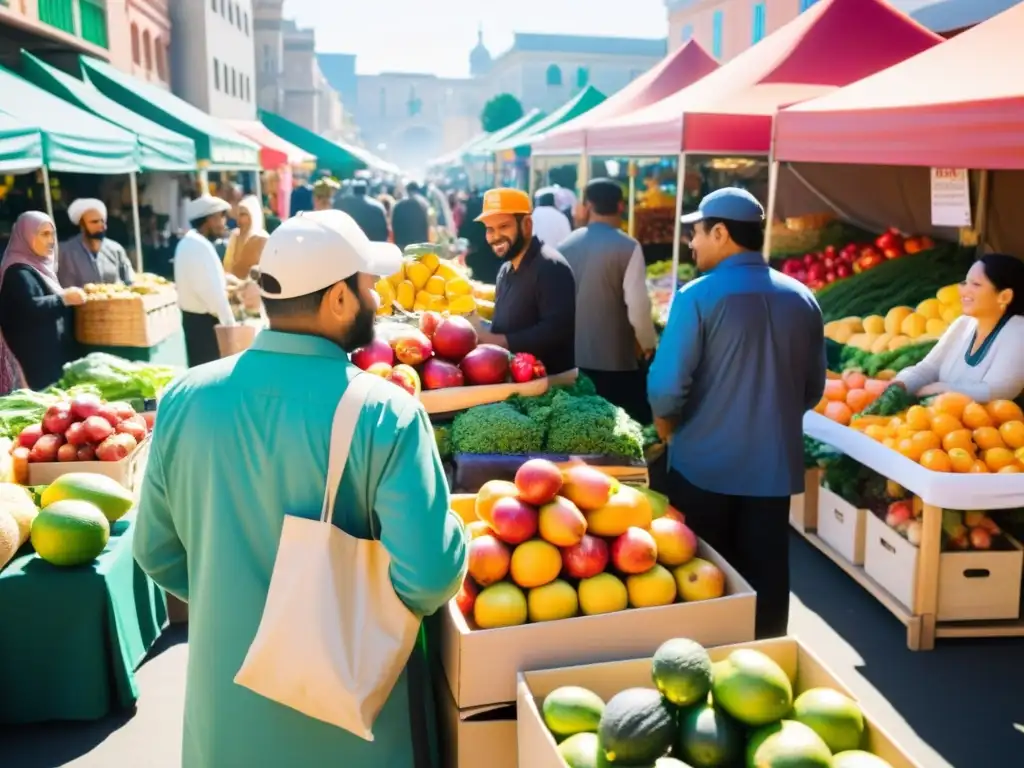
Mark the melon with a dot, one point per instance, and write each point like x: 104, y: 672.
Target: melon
x: 19, y: 503
x: 70, y: 532
x: 9, y: 537
x: 112, y: 498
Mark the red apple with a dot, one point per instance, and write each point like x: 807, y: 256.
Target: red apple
x: 429, y: 322
x: 76, y: 434
x: 86, y: 453
x: 123, y: 410
x: 586, y: 559
x: 29, y: 435
x: 513, y: 521
x: 406, y: 377
x: 454, y: 338
x: 440, y: 374
x: 96, y: 429
x: 538, y: 481
x: 135, y: 426
x: 57, y: 419
x: 46, y: 448
x: 487, y: 364
x: 377, y: 351
x: 635, y: 551
x: 150, y: 419
x: 85, y: 405
x: 116, y: 447
x: 108, y: 413
x: 67, y: 452
x: 411, y: 347
x: 466, y: 598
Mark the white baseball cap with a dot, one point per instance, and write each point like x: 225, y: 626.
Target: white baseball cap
x: 205, y: 205
x: 317, y: 249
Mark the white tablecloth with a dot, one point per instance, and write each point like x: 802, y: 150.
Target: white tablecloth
x: 943, y: 489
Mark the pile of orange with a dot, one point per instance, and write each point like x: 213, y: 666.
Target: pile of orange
x: 848, y: 395
x: 954, y: 434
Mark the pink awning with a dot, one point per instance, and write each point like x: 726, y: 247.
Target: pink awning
x: 274, y: 151
x: 958, y: 105
x: 676, y: 71
x: 834, y: 43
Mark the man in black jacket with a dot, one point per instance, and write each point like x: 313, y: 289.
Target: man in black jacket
x: 410, y: 220
x: 368, y: 213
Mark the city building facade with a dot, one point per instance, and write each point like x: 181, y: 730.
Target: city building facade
x: 213, y: 60
x: 54, y: 28
x: 140, y: 39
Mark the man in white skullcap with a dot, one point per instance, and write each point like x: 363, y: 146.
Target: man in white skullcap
x: 91, y: 257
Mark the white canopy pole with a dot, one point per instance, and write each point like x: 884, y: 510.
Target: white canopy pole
x: 773, y: 185
x: 678, y: 229
x: 47, y: 194
x: 631, y: 209
x: 136, y: 224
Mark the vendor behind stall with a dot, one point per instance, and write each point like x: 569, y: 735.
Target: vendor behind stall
x: 535, y: 296
x: 92, y: 257
x: 981, y: 354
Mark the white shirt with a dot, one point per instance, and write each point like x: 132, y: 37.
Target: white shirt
x: 999, y: 375
x: 638, y: 300
x: 199, y: 278
x: 550, y: 225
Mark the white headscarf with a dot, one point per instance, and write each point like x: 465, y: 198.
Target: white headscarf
x: 83, y: 205
x: 252, y: 205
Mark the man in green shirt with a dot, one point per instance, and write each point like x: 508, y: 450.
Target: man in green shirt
x: 242, y: 441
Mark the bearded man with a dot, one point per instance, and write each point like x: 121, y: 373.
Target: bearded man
x: 92, y: 257
x: 535, y: 293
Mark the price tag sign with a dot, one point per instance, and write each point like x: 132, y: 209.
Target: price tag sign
x: 951, y: 197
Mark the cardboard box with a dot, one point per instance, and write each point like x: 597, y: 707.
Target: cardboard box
x: 803, y: 508
x: 481, y: 664
x: 128, y: 471
x: 537, y: 746
x: 841, y: 525
x: 485, y: 736
x: 891, y: 560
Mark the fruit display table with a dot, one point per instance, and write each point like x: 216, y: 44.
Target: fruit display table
x: 936, y: 490
x: 72, y: 637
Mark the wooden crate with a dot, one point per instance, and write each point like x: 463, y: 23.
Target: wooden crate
x: 842, y: 525
x: 133, y: 321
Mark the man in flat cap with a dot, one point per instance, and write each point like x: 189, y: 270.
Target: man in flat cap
x: 91, y: 257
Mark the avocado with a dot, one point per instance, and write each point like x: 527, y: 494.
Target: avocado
x: 787, y: 744
x: 681, y: 671
x: 571, y: 709
x: 637, y: 727
x: 709, y: 738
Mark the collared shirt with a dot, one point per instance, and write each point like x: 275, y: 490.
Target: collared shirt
x: 741, y: 360
x: 239, y: 444
x: 550, y: 225
x: 77, y: 265
x: 535, y: 307
x: 368, y: 213
x: 199, y: 278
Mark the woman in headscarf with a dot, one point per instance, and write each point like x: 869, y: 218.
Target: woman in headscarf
x: 37, y: 325
x: 245, y: 246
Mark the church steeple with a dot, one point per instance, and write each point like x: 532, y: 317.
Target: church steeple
x: 480, y: 58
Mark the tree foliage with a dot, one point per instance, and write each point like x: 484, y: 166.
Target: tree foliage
x: 504, y: 109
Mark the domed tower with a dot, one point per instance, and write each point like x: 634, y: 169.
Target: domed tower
x: 480, y: 58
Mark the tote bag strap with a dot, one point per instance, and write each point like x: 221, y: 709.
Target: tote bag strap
x: 346, y: 415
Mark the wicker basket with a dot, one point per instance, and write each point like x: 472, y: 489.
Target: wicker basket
x: 133, y: 321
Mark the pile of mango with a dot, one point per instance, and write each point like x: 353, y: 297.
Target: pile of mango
x: 426, y: 283
x: 484, y: 295
x: 901, y: 326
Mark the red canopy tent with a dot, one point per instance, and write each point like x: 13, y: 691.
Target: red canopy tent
x: 834, y: 43
x: 959, y: 105
x: 676, y: 71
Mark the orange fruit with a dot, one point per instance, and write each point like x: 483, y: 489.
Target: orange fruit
x: 876, y: 432
x: 1019, y: 453
x: 997, y: 458
x: 854, y: 379
x: 988, y: 437
x: 944, y: 423
x: 534, y: 563
x: 1003, y: 411
x: 858, y: 399
x: 876, y: 386
x: 1010, y: 469
x: 975, y: 416
x: 820, y: 407
x: 1012, y: 433
x: 926, y: 440
x: 906, y: 446
x: 918, y: 418
x: 952, y: 403
x: 835, y: 390
x: 961, y: 460
x: 958, y: 438
x: 936, y: 460
x: 979, y: 468
x: 890, y: 442
x: 839, y: 412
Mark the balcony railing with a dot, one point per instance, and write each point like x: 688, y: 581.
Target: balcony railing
x: 86, y: 19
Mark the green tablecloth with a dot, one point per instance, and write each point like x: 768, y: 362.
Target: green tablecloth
x: 71, y: 638
x: 170, y: 351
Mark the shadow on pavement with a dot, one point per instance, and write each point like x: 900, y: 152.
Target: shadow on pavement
x: 53, y: 744
x: 962, y: 698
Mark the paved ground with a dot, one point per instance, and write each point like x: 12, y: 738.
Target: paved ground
x: 955, y: 706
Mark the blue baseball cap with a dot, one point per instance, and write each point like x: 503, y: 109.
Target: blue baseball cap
x: 730, y: 203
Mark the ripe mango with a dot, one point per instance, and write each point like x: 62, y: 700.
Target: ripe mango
x: 436, y: 286
x: 895, y: 317
x: 874, y: 324
x: 405, y: 294
x: 485, y: 308
x: 397, y: 278
x: 462, y: 305
x: 447, y: 271
x: 438, y: 304
x: 430, y: 261
x: 419, y: 273
x: 386, y: 291
x: 457, y: 287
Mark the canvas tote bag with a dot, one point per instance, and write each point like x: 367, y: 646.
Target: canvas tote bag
x: 334, y: 636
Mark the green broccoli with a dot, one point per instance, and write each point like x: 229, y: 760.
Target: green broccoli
x: 590, y: 425
x: 498, y: 428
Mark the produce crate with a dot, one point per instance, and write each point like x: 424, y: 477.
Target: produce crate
x: 475, y: 737
x: 472, y: 470
x: 128, y: 471
x: 136, y: 321
x: 537, y: 747
x: 973, y: 586
x: 481, y: 664
x: 842, y: 526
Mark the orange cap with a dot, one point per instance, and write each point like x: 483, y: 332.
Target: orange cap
x: 505, y: 201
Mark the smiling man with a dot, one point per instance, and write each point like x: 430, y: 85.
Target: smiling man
x: 535, y: 296
x: 92, y: 257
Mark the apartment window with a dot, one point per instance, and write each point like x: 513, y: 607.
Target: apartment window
x: 161, y: 61
x: 234, y: 82
x: 213, y: 5
x: 223, y: 9
x: 216, y: 74
x: 554, y: 75
x: 582, y: 77
x: 717, y: 25
x: 245, y: 23
x: 758, y: 27
x: 687, y: 33
x: 136, y: 56
x: 147, y: 50
x: 805, y: 4
x: 231, y: 12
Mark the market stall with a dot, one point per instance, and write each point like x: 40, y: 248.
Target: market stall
x: 341, y: 161
x: 485, y: 151
x: 277, y: 159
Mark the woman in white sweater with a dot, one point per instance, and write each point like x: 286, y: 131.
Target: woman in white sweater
x: 981, y: 354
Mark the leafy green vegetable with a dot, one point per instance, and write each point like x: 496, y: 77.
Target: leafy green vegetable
x: 592, y: 425
x: 443, y: 438
x: 25, y: 407
x: 894, y: 400
x: 118, y: 379
x: 498, y: 428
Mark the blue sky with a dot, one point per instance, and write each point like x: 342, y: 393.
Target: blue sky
x: 436, y: 36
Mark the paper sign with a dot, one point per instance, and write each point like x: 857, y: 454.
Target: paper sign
x: 951, y: 198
